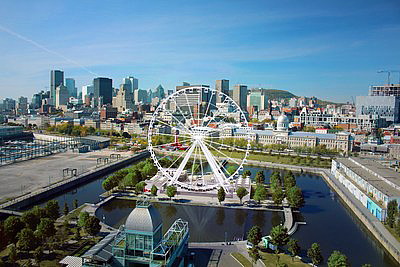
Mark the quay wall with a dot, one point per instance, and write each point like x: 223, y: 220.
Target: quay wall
x: 45, y: 193
x: 370, y: 225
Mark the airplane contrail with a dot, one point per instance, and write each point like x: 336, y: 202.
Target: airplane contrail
x: 19, y: 36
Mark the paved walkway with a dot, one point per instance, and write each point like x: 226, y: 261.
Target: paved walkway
x: 377, y: 225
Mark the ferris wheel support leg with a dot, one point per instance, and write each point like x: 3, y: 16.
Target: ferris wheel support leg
x: 183, y: 164
x: 221, y: 178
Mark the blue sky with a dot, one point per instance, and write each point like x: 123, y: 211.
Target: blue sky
x: 330, y: 49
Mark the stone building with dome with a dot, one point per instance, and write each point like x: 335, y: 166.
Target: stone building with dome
x: 140, y: 242
x: 281, y: 134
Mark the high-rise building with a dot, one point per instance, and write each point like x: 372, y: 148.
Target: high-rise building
x: 102, y: 91
x: 240, y: 96
x: 160, y: 92
x: 257, y: 100
x: 87, y: 90
x: 385, y: 90
x: 70, y: 84
x: 62, y: 96
x: 22, y: 106
x: 223, y: 87
x: 140, y: 96
x: 132, y: 82
x: 387, y: 107
x: 56, y: 79
x: 124, y: 98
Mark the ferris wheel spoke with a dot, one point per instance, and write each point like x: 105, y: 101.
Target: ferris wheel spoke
x: 180, y: 110
x: 178, y: 135
x: 222, y: 153
x: 166, y: 124
x: 190, y: 109
x: 220, y: 144
x: 201, y: 165
x: 179, y: 122
x: 206, y: 111
x: 180, y: 156
x: 214, y: 116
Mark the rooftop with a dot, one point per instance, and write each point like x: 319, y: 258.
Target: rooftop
x: 143, y: 218
x: 375, y: 181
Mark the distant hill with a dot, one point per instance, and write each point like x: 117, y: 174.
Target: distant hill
x: 274, y: 94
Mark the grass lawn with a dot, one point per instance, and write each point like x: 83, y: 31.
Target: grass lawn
x: 270, y: 260
x: 284, y: 159
x: 242, y: 259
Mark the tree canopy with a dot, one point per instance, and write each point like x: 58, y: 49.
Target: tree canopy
x: 314, y: 253
x: 241, y: 192
x: 338, y: 259
x: 254, y: 235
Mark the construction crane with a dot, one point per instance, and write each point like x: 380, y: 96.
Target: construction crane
x: 388, y: 74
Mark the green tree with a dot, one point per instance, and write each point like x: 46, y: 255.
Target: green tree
x: 83, y: 216
x: 39, y: 213
x: 171, y: 191
x: 260, y: 193
x: 154, y: 190
x: 3, y: 237
x: 77, y: 235
x: 149, y: 170
x: 76, y: 205
x: 221, y: 195
x: 397, y: 227
x: 295, y: 197
x: 12, y: 226
x: 13, y: 255
x: 66, y: 208
x: 52, y: 209
x: 26, y: 240
x: 139, y: 187
x: 314, y: 253
x: 45, y: 228
x: 338, y: 259
x: 92, y: 225
x: 254, y: 235
x: 107, y: 184
x: 260, y: 177
x: 293, y: 247
x: 38, y: 253
x: 231, y: 170
x: 279, y: 236
x: 241, y: 192
x: 247, y: 173
x: 254, y: 255
x: 30, y: 219
x: 278, y: 195
x: 289, y: 180
x: 392, y: 211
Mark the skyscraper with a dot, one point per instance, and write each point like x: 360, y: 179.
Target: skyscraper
x: 70, y: 84
x: 87, y: 90
x: 240, y: 96
x: 132, y: 82
x: 56, y: 79
x: 61, y: 96
x: 223, y: 87
x: 102, y: 91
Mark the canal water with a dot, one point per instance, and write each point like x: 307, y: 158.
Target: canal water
x: 329, y: 222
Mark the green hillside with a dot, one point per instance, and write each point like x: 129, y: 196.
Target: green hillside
x: 274, y: 94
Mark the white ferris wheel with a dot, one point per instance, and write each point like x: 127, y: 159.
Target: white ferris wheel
x: 194, y: 127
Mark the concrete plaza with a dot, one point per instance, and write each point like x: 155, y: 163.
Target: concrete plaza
x: 29, y: 175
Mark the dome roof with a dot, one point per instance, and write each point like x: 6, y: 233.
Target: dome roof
x: 143, y: 218
x: 283, y: 119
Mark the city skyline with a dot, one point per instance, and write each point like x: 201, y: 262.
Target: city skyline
x: 309, y: 51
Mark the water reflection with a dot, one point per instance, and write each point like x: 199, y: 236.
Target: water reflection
x: 207, y: 224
